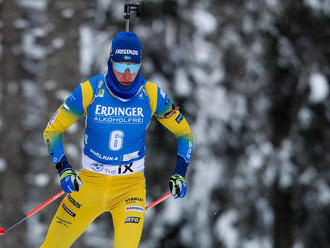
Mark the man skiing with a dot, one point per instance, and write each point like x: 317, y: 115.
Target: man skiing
x: 117, y: 107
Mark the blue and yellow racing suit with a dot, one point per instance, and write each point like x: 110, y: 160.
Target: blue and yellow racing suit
x: 113, y: 157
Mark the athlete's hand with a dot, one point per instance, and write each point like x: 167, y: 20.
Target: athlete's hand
x: 178, y: 186
x: 70, y: 180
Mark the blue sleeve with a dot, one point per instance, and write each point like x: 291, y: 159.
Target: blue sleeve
x: 74, y: 102
x: 164, y: 103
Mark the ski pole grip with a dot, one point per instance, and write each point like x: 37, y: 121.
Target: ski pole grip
x: 127, y: 11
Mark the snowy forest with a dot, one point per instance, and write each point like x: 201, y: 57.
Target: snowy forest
x: 250, y: 76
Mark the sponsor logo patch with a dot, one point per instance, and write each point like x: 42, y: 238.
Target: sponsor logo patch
x: 74, y: 202
x: 122, y: 115
x: 141, y: 95
x: 133, y: 200
x: 132, y: 219
x: 103, y: 156
x: 130, y: 156
x: 134, y: 208
x: 68, y: 210
x: 189, y: 151
x: 118, y: 111
x: 62, y: 222
x: 101, y: 93
x: 53, y: 118
x: 179, y: 118
x: 65, y: 106
x: 127, y: 51
x: 127, y: 168
x: 97, y: 167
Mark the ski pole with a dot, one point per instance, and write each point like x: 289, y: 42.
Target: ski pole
x: 163, y: 198
x: 3, y: 231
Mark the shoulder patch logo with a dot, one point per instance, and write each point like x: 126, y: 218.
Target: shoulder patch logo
x: 101, y: 93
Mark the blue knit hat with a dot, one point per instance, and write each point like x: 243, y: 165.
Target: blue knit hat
x: 126, y: 47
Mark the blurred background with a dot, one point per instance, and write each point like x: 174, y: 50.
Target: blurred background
x: 250, y: 76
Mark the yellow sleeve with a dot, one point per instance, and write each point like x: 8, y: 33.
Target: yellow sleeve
x: 69, y: 112
x: 171, y: 118
x: 152, y: 93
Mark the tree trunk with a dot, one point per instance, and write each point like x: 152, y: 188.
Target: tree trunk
x: 12, y: 179
x: 283, y: 233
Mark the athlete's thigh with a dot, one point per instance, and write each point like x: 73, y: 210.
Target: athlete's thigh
x: 70, y: 221
x: 75, y: 213
x: 128, y: 219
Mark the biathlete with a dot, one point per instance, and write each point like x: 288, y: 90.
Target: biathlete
x: 117, y: 107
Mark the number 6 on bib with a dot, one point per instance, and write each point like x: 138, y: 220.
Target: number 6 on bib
x: 116, y: 140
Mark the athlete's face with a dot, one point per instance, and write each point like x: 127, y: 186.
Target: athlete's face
x: 124, y: 77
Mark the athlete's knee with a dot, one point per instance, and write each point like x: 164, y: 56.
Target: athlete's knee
x: 55, y: 243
